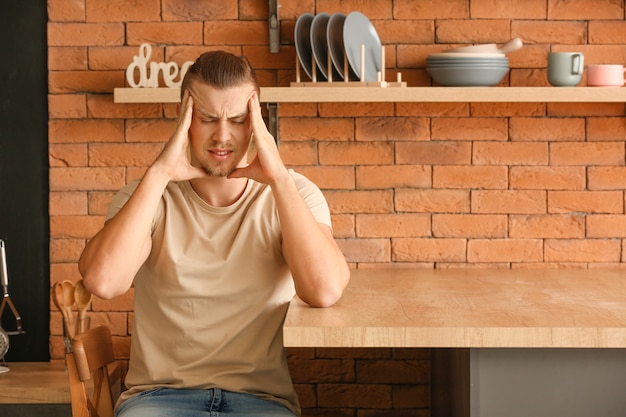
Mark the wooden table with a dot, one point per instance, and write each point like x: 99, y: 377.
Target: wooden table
x: 470, y: 308
x: 504, y: 342
x: 35, y: 382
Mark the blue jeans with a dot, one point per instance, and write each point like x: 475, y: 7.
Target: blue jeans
x: 166, y: 402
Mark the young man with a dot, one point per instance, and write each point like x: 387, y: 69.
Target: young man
x: 216, y: 247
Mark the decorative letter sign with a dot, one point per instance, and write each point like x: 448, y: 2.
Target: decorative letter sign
x: 151, y: 78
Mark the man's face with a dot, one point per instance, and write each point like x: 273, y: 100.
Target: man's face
x: 220, y: 129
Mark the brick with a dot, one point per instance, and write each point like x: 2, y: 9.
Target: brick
x: 508, y: 109
x: 433, y: 153
x: 66, y: 250
x: 547, y: 226
x: 86, y: 179
x: 492, y: 177
x: 355, y: 109
x: 432, y: 201
x: 354, y: 153
x: 582, y: 250
x: 322, y: 370
x: 103, y: 107
x: 467, y: 32
x: 551, y: 32
x: 431, y: 9
x: 432, y: 109
x: 99, y: 202
x: 469, y: 225
x: 299, y: 153
x: 67, y: 203
x: 518, y: 9
x: 376, y: 201
x: 607, y: 32
x: 504, y: 250
x: 354, y: 395
x: 392, y: 371
x: 67, y: 155
x: 594, y: 153
x: 191, y: 10
x: 585, y: 9
x: 123, y: 154
x: 374, y: 9
x: 411, y: 396
x: 547, y: 178
x: 309, y: 128
x: 164, y: 32
x: 547, y: 129
x: 226, y: 33
x: 66, y: 11
x: 65, y: 106
x: 75, y: 226
x: 329, y: 177
x: 396, y: 129
x: 606, y: 128
x: 606, y: 178
x: 122, y: 10
x: 428, y: 250
x: 393, y: 176
x: 585, y: 109
x: 585, y: 202
x: 509, y: 201
x: 392, y: 225
x: 63, y: 82
x: 366, y: 250
x: 67, y: 58
x: 606, y: 226
x: 109, y: 58
x: 405, y: 31
x: 85, y: 34
x: 343, y: 225
x: 62, y: 271
x: 85, y: 131
x: 469, y: 129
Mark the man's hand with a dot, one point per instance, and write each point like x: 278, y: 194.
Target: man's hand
x: 267, y: 167
x: 174, y: 162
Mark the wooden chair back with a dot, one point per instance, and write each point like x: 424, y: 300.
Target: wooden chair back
x: 92, y: 369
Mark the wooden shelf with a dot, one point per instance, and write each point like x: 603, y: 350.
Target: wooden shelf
x: 331, y: 94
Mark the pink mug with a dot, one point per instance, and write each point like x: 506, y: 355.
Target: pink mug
x: 605, y: 75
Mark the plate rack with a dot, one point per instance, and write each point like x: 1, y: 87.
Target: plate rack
x: 381, y: 82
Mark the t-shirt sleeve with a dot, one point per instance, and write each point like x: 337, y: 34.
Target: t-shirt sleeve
x: 122, y: 197
x: 313, y: 198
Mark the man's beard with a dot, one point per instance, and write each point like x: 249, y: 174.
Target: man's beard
x: 219, y: 171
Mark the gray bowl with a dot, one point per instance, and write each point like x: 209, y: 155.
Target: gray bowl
x: 467, y: 76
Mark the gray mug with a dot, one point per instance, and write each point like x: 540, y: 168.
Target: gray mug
x: 565, y: 69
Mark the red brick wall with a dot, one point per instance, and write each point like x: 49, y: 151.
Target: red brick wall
x: 447, y: 185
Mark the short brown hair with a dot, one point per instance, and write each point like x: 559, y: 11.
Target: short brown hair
x: 221, y: 70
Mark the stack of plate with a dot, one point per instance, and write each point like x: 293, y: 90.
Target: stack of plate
x: 338, y: 37
x: 467, y: 69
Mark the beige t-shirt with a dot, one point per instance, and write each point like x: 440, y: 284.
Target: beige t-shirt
x: 211, y: 298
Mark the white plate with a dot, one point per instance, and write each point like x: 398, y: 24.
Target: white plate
x: 319, y: 44
x: 456, y: 55
x: 302, y: 39
x: 334, y: 35
x: 357, y: 31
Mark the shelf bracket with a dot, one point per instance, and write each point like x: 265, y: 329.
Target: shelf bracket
x: 273, y: 126
x: 274, y: 24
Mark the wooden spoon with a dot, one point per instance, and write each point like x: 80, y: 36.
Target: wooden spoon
x: 83, y: 300
x: 67, y: 302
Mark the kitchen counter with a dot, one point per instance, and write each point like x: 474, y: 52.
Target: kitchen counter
x: 468, y: 308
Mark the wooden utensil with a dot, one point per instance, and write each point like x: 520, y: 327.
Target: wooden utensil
x: 83, y: 300
x: 64, y: 295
